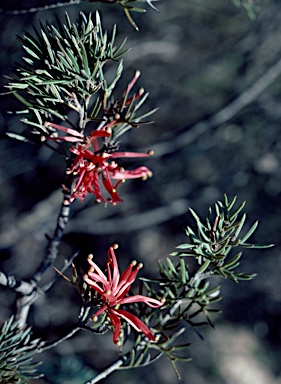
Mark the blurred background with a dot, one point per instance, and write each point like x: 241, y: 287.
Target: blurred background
x: 216, y: 77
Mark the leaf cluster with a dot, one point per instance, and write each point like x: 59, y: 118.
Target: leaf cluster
x: 64, y: 70
x: 63, y: 64
x: 213, y: 240
x: 189, y: 294
x: 16, y: 353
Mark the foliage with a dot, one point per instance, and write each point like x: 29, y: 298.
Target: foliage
x: 250, y: 6
x: 187, y: 289
x: 17, y: 351
x: 64, y: 71
x: 63, y: 85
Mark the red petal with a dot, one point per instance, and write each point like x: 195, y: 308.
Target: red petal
x: 68, y: 130
x: 116, y: 155
x: 154, y: 303
x: 99, y: 134
x: 116, y: 325
x: 94, y: 286
x: 116, y: 274
x: 65, y: 138
x: 96, y: 186
x: 132, y: 174
x: 135, y: 322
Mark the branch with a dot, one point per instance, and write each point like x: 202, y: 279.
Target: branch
x: 106, y: 372
x: 21, y: 286
x: 221, y: 117
x: 41, y: 217
x: 37, y: 9
x: 37, y: 217
x: 52, y: 250
x: 24, y: 303
x: 131, y: 223
x: 57, y: 342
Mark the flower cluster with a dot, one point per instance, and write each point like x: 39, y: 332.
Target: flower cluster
x: 113, y: 290
x: 89, y: 166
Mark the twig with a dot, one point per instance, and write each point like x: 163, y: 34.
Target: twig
x: 106, y: 372
x: 221, y: 117
x: 131, y: 223
x: 57, y: 342
x: 40, y: 218
x: 67, y: 263
x: 37, y: 9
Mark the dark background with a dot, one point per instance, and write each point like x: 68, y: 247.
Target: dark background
x: 215, y: 76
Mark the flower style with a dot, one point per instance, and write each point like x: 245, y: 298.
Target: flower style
x: 113, y: 290
x: 89, y: 166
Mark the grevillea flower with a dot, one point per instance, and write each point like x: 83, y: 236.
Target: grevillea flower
x: 113, y: 290
x: 89, y: 167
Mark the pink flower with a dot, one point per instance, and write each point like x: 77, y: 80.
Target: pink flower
x: 89, y: 167
x: 113, y: 290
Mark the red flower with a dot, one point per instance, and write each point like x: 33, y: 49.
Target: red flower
x: 89, y: 167
x: 113, y: 290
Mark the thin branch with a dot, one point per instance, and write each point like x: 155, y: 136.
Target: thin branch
x: 118, y: 366
x: 20, y: 286
x: 221, y: 117
x: 132, y: 223
x: 40, y: 218
x: 52, y: 250
x: 67, y: 263
x: 13, y: 234
x: 37, y: 9
x: 57, y: 342
x: 106, y: 372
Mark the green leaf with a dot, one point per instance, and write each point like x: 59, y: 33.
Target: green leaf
x: 16, y: 136
x: 250, y: 232
x: 204, y: 267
